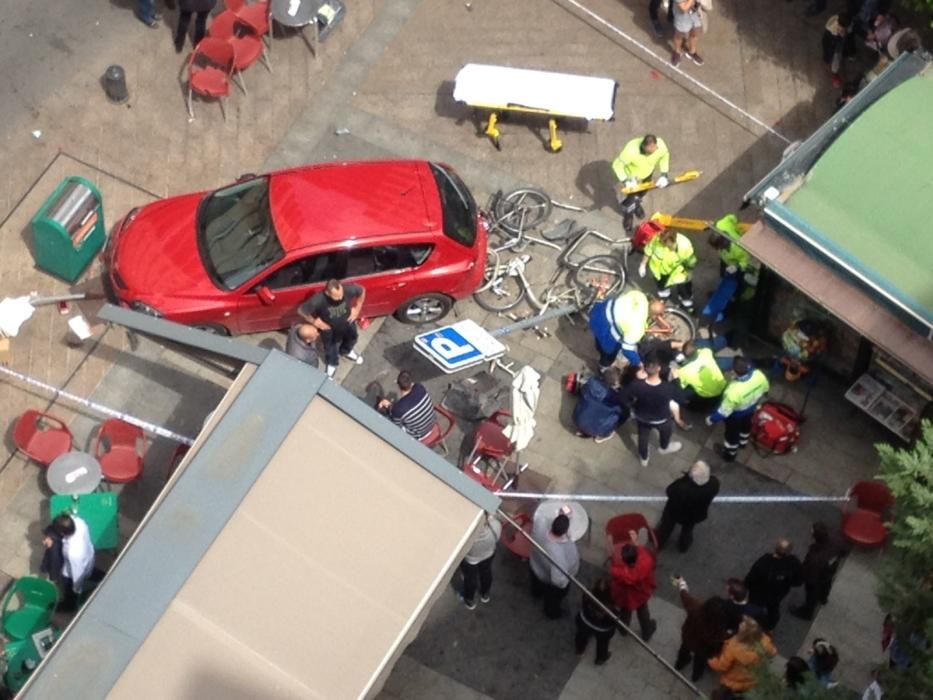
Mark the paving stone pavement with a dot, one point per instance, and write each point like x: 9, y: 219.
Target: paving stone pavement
x: 386, y: 75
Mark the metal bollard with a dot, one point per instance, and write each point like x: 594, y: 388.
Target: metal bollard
x: 115, y: 85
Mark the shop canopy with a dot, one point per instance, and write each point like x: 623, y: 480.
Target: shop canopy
x: 294, y: 554
x: 848, y: 214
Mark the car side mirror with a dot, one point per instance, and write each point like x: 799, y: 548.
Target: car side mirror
x: 246, y: 176
x: 265, y: 295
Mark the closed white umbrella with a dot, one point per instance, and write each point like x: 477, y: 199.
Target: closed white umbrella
x: 525, y: 393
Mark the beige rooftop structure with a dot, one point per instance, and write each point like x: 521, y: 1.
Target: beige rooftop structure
x: 294, y: 554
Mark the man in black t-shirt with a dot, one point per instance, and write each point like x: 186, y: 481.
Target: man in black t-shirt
x: 334, y: 312
x: 654, y: 406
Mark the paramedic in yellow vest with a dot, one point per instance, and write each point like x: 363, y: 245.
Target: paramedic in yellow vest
x: 700, y: 377
x: 733, y: 264
x: 637, y: 162
x: 619, y: 324
x: 670, y: 257
x: 739, y: 401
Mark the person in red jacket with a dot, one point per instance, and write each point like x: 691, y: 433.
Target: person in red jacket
x: 633, y: 583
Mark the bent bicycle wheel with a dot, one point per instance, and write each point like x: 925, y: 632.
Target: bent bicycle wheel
x: 522, y: 209
x: 676, y: 325
x: 598, y: 277
x: 501, y: 293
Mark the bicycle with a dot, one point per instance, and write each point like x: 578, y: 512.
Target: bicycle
x: 674, y: 324
x: 517, y: 211
x: 505, y: 285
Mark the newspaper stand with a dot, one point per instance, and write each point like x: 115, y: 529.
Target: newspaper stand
x: 68, y: 231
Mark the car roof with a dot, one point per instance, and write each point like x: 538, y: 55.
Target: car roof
x: 353, y: 201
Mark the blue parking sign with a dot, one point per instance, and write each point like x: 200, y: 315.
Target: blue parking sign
x: 458, y: 346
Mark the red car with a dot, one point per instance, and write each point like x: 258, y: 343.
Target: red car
x: 242, y: 258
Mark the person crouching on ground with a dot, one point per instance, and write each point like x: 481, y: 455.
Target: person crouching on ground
x: 302, y: 343
x: 600, y: 409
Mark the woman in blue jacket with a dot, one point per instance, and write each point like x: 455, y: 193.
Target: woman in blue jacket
x: 599, y: 410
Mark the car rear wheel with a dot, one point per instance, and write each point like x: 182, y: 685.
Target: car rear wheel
x: 213, y: 328
x: 425, y: 308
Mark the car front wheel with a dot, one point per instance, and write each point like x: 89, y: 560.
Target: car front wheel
x: 425, y: 308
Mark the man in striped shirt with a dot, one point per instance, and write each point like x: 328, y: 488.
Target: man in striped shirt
x: 413, y: 410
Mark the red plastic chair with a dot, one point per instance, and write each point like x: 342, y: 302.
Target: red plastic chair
x: 247, y: 44
x: 617, y: 530
x: 213, y: 78
x: 41, y: 437
x: 516, y: 543
x: 119, y: 449
x: 256, y: 16
x: 490, y: 442
x: 438, y: 434
x: 865, y: 524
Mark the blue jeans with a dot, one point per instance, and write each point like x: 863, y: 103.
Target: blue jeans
x: 146, y: 10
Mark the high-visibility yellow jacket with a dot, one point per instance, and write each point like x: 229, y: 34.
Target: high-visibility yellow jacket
x: 742, y: 395
x: 702, y: 374
x: 630, y: 316
x: 674, y: 264
x: 734, y: 255
x: 632, y: 163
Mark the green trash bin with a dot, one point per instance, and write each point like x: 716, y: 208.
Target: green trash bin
x: 68, y: 230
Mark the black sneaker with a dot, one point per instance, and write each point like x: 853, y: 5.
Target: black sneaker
x: 649, y: 633
x: 639, y: 211
x: 658, y: 29
x: 628, y: 223
x: 696, y: 58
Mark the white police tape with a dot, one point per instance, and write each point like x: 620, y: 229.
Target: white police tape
x: 686, y: 76
x: 618, y: 498
x: 96, y: 407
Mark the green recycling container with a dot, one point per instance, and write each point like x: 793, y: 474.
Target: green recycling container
x: 68, y: 231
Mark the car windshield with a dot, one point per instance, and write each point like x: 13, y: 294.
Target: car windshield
x: 235, y: 233
x: 457, y: 206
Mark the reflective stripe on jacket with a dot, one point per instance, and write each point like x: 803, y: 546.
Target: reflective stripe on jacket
x: 632, y: 163
x: 742, y: 394
x: 703, y: 375
x: 675, y: 265
x: 630, y: 316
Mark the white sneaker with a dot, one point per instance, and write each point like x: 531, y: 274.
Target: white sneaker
x: 644, y: 462
x: 331, y: 371
x: 675, y: 446
x: 354, y: 356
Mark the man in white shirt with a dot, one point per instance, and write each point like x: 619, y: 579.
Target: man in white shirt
x: 77, y: 555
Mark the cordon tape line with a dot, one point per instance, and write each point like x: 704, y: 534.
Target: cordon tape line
x: 686, y: 76
x: 616, y: 498
x: 96, y: 407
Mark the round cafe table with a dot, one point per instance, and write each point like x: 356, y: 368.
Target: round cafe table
x: 75, y: 473
x: 548, y: 510
x: 295, y: 13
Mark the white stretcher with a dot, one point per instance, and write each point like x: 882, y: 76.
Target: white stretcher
x: 503, y: 89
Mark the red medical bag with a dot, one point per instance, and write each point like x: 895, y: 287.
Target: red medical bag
x: 776, y: 427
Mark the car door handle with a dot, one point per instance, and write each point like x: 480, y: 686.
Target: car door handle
x: 399, y: 285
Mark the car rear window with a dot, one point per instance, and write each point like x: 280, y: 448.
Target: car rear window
x: 457, y: 206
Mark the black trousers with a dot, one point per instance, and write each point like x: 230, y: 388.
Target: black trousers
x: 738, y: 431
x: 476, y: 576
x: 606, y: 359
x: 338, y: 341
x: 665, y: 430
x: 684, y: 290
x: 200, y: 26
x: 700, y: 661
x: 666, y: 527
x: 584, y: 632
x: 644, y: 618
x: 553, y: 596
x: 654, y: 7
